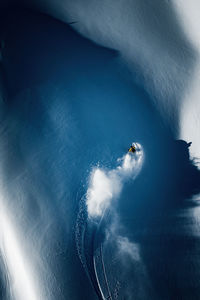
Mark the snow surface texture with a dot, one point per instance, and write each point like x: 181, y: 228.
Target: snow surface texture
x: 160, y: 39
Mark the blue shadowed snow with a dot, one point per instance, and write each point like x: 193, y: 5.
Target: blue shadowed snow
x: 70, y: 110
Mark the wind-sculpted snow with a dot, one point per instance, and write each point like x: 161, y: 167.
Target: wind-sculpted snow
x: 106, y: 185
x: 21, y: 277
x: 73, y: 208
x: 166, y: 56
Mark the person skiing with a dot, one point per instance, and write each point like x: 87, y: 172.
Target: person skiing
x: 132, y: 148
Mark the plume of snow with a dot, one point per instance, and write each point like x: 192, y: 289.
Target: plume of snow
x: 127, y: 247
x: 105, y: 186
